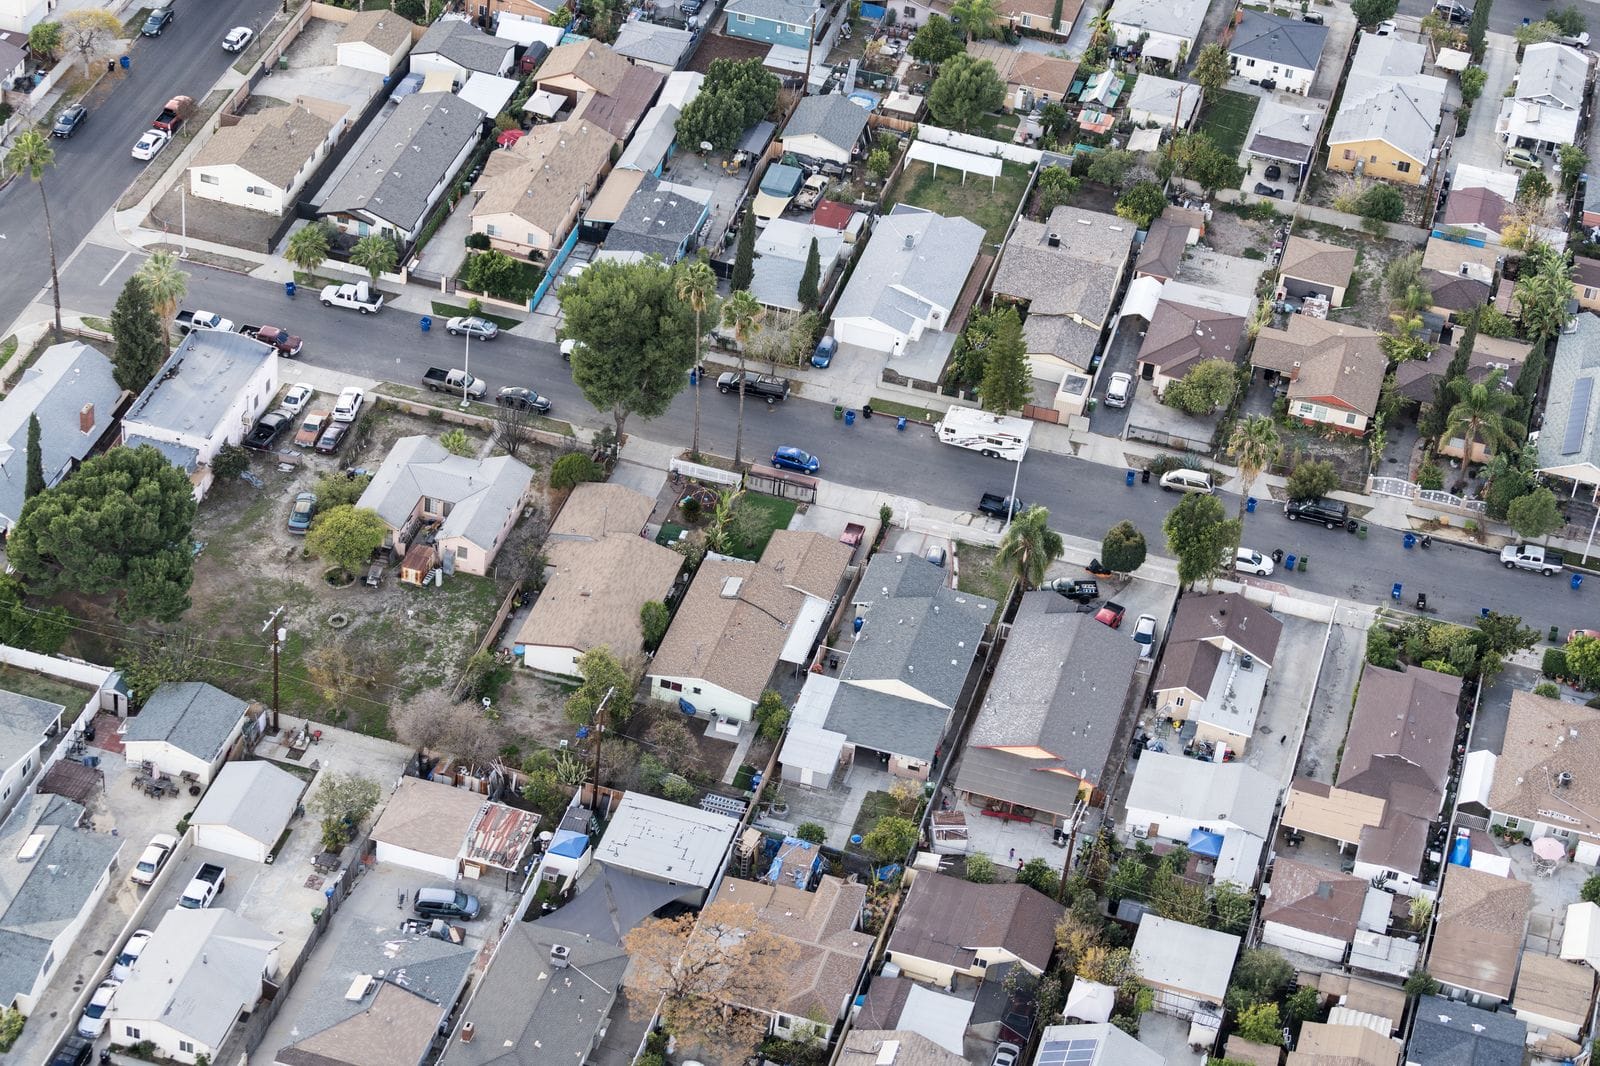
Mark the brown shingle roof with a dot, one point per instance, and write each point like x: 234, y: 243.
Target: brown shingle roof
x: 913, y: 1049
x: 1546, y: 737
x: 274, y: 144
x: 1554, y: 988
x: 428, y: 817
x: 591, y: 62
x: 1181, y: 336
x: 1360, y: 994
x: 1586, y: 272
x: 540, y: 177
x: 597, y: 508
x: 1326, y: 361
x: 620, y: 109
x: 945, y: 918
x: 811, y: 563
x: 1482, y: 920
x: 1324, y: 811
x: 599, y: 586
x: 1406, y: 715
x: 381, y: 28
x: 1454, y: 292
x: 1042, y: 73
x: 1325, y: 902
x: 1161, y: 255
x: 1227, y: 616
x: 1321, y: 1044
x: 1251, y: 1053
x: 1189, y: 664
x: 1482, y: 207
x: 1326, y: 264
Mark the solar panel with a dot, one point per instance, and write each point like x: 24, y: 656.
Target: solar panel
x: 1578, y: 416
x: 1080, y: 1051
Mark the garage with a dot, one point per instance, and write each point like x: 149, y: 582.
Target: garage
x: 246, y: 809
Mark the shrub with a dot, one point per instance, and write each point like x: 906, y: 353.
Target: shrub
x: 980, y: 869
x: 1312, y: 479
x: 229, y: 462
x: 771, y: 716
x: 1554, y: 665
x: 1123, y: 548
x: 811, y: 832
x: 654, y: 619
x: 1547, y: 689
x: 1421, y: 983
x: 455, y: 442
x: 677, y: 788
x: 478, y: 241
x: 573, y: 468
x: 1590, y: 893
x: 11, y: 1023
x: 1430, y: 477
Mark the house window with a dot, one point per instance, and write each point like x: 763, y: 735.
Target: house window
x: 1513, y: 823
x: 1180, y: 701
x: 1590, y: 293
x: 672, y: 686
x: 131, y: 1031
x: 1372, y: 159
x: 1308, y: 410
x: 740, y: 16
x: 255, y: 190
x: 1403, y: 167
x: 1350, y: 419
x: 1348, y: 154
x: 490, y: 230
x: 186, y: 1046
x: 533, y: 240
x: 1249, y: 62
x: 210, y: 179
x: 1027, y: 21
x: 909, y: 11
x: 461, y: 551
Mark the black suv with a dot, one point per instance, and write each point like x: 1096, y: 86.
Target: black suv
x: 159, y: 20
x: 1330, y: 513
x: 760, y: 386
x: 75, y: 1052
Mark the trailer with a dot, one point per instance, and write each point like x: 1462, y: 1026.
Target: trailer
x: 997, y: 436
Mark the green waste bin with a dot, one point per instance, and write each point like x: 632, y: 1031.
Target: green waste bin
x: 1303, y: 560
x: 1555, y: 634
x: 1361, y: 531
x: 838, y: 411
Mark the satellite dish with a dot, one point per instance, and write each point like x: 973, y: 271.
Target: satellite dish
x: 706, y: 146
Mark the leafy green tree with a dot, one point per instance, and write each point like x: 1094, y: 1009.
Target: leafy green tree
x: 1380, y: 201
x: 1233, y: 908
x: 1196, y: 156
x: 978, y: 19
x: 140, y: 348
x: 809, y: 277
x: 1478, y: 28
x: 44, y: 40
x: 1007, y: 380
x: 812, y: 833
x: 1039, y: 875
x: 1029, y: 546
x: 936, y: 41
x: 1303, y: 1005
x: 1199, y: 534
x: 1142, y: 203
x: 603, y: 672
x: 1533, y: 188
x: 1590, y: 892
x: 771, y: 716
x: 1543, y: 295
x: 1260, y: 976
x: 1569, y: 20
x: 1056, y: 187
x: 308, y: 247
x: 1535, y: 515
x: 1583, y: 659
x: 654, y: 619
x: 1110, y: 167
x: 1209, y: 386
x: 346, y: 537
x: 1255, y: 446
x: 980, y: 868
x: 1481, y: 416
x: 891, y: 839
x: 965, y: 90
x: 494, y: 273
x: 32, y: 155
x: 1421, y: 983
x: 1259, y: 1023
x: 35, y: 475
x: 744, y: 256
x: 1130, y: 879
x: 231, y: 461
x: 1536, y: 32
x: 1211, y: 68
x: 573, y: 469
x: 167, y: 285
x: 120, y: 526
x: 41, y: 630
x: 735, y: 95
x: 1311, y: 479
x: 879, y: 164
x: 743, y: 314
x: 1123, y: 548
x: 456, y: 442
x: 1571, y: 160
x: 376, y: 254
x: 634, y: 337
x: 1372, y: 12
x: 1472, y: 80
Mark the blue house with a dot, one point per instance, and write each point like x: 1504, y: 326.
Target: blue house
x: 785, y: 22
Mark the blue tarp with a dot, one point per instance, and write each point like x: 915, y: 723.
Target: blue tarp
x: 1205, y: 844
x: 873, y: 12
x: 1461, y: 851
x: 569, y: 845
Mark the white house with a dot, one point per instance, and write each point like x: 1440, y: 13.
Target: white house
x: 185, y: 727
x: 1168, y: 27
x: 1545, y: 110
x: 264, y: 160
x: 1277, y: 48
x: 456, y: 47
x: 1187, y: 966
x: 1174, y: 795
x: 375, y: 41
x: 1164, y: 102
x: 825, y: 127
x: 246, y: 809
x: 23, y: 15
x: 667, y: 842
x: 907, y: 280
x: 782, y: 248
x: 26, y: 727
x: 425, y: 826
x: 208, y: 393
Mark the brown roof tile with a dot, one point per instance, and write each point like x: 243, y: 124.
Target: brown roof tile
x: 381, y: 28
x: 1335, y: 813
x: 1309, y: 260
x: 1554, y: 988
x: 1181, y: 336
x: 598, y: 588
x: 1321, y: 1044
x: 590, y: 62
x: 619, y: 110
x: 945, y: 918
x: 541, y: 176
x: 822, y: 925
x: 1325, y: 360
x: 1544, y: 738
x: 1229, y: 617
x: 1408, y: 715
x: 1325, y: 902
x: 597, y: 508
x: 911, y: 1049
x: 1478, y: 938
x: 274, y: 144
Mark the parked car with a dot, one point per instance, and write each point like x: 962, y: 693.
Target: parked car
x: 1119, y: 390
x: 130, y: 954
x: 1250, y: 561
x: 1144, y: 635
x: 266, y: 431
x: 158, y: 20
x: 311, y: 426
x: 74, y: 1051
x: 238, y: 39
x: 445, y: 903
x: 1386, y: 28
x: 332, y: 437
x: 1522, y: 158
x: 1312, y: 17
x: 756, y: 386
x: 1453, y: 10
x: 300, y: 515
x: 1330, y: 513
x: 155, y: 855
x: 150, y: 144
x: 1005, y: 1054
x: 1263, y: 189
x: 789, y: 457
x: 823, y: 356
x: 94, y: 1019
x: 523, y: 399
x: 1593, y: 634
x: 477, y: 328
x: 70, y: 121
x: 348, y: 405
x: 297, y: 397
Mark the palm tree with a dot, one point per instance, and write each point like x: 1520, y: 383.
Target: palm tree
x: 1255, y: 446
x: 376, y: 254
x: 1099, y: 28
x: 742, y: 314
x: 1480, y: 416
x: 167, y: 285
x: 697, y: 287
x: 31, y: 154
x: 976, y: 17
x: 308, y: 248
x: 1029, y: 546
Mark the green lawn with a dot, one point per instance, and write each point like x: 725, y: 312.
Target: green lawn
x: 996, y: 127
x: 875, y: 806
x: 775, y: 514
x: 1226, y: 119
x: 990, y: 207
x: 978, y: 573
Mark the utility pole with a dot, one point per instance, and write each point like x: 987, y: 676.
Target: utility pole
x: 599, y: 733
x: 278, y: 635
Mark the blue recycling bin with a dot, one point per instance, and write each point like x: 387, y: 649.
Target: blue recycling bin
x: 849, y: 418
x: 426, y: 323
x: 1483, y: 612
x: 900, y: 423
x: 1128, y: 479
x: 288, y: 289
x: 1394, y: 593
x: 694, y: 378
x: 1577, y: 582
x: 125, y: 62
x: 1410, y: 541
x: 1250, y: 505
x: 1288, y: 564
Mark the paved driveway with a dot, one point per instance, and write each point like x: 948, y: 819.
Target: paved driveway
x: 1121, y: 356
x: 1481, y: 145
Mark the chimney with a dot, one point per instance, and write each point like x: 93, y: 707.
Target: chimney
x: 468, y: 1031
x: 86, y: 418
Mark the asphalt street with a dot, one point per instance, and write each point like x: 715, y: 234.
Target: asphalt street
x: 93, y: 167
x: 1507, y: 15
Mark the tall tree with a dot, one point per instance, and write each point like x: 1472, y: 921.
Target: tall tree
x: 376, y: 254
x: 936, y: 41
x: 166, y: 285
x: 696, y: 286
x: 1372, y: 12
x: 977, y: 18
x: 1007, y: 381
x: 742, y: 313
x: 1029, y: 546
x: 31, y: 154
x: 965, y: 90
x: 308, y: 247
x: 1543, y: 294
x: 1123, y: 548
x: 87, y: 31
x: 1199, y: 534
x: 735, y: 95
x: 1211, y: 67
x: 35, y: 483
x: 1536, y: 514
x: 744, y: 255
x: 1480, y: 417
x: 120, y: 526
x: 141, y: 347
x: 1255, y: 446
x: 346, y: 536
x: 44, y: 40
x: 809, y: 277
x: 634, y: 337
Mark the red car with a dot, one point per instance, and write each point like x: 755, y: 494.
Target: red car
x: 1576, y: 633
x: 1111, y: 614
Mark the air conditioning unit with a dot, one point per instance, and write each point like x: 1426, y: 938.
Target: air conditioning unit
x: 1140, y: 832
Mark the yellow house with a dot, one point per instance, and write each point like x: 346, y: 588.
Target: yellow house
x: 1390, y: 113
x: 1586, y: 283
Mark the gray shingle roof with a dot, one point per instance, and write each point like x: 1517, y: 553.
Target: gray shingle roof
x: 834, y: 118
x: 1276, y: 39
x: 650, y: 42
x: 57, y: 388
x: 482, y: 492
x: 256, y: 798
x: 192, y: 716
x: 657, y: 220
x: 1448, y: 1033
x: 23, y: 721
x: 464, y: 45
x: 406, y: 159
x: 1075, y: 276
x: 791, y: 12
x: 892, y: 280
x: 609, y: 903
x: 199, y: 383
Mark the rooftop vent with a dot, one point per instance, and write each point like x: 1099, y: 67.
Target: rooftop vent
x: 730, y: 587
x: 1054, y: 240
x: 1564, y: 779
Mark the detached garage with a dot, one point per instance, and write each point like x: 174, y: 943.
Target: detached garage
x: 246, y: 809
x: 1311, y: 910
x: 426, y: 826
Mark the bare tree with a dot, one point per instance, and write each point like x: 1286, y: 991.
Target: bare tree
x: 513, y: 428
x: 88, y: 31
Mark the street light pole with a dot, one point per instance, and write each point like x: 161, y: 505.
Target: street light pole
x: 1011, y: 507
x: 183, y: 216
x: 466, y: 369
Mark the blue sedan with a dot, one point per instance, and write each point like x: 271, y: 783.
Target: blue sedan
x: 305, y: 506
x: 790, y: 458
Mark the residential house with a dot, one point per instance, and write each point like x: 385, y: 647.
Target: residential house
x: 1459, y: 259
x: 899, y: 1003
x: 1312, y: 910
x: 659, y: 47
x: 185, y: 727
x: 401, y: 171
x: 1335, y: 371
x: 515, y: 1021
x: 1050, y: 732
x: 535, y: 11
x: 782, y: 249
x: 1451, y: 295
x: 903, y: 1048
x: 1220, y: 649
x: 661, y: 218
x: 907, y: 281
x: 601, y: 571
x: 1172, y: 796
x: 1448, y: 1033
x: 381, y: 999
x: 1041, y: 17
x: 907, y: 664
x: 13, y: 56
x: 208, y: 393
x: 1030, y: 77
x: 1477, y: 939
x: 1323, y: 810
x: 1187, y: 967
x: 1569, y: 444
x: 1545, y: 108
x: 1323, y: 1044
x: 950, y: 927
x: 1315, y: 270
x: 202, y: 972
x: 790, y: 23
x: 247, y: 809
x: 671, y: 844
x: 1067, y: 271
x: 1480, y: 203
x: 1165, y: 29
x: 1277, y: 48
x: 740, y: 619
x: 1389, y: 113
x: 425, y: 826
x: 1163, y: 102
x: 70, y: 390
x: 468, y: 505
x: 1541, y: 783
x: 1586, y: 283
x: 603, y: 87
x: 830, y: 950
x: 57, y: 872
x: 27, y: 727
x: 1286, y: 135
x: 1099, y: 1044
x: 264, y: 160
x: 826, y: 128
x: 532, y: 194
x: 489, y: 93
x: 1418, y: 379
x: 1189, y: 326
x: 456, y: 47
x: 1168, y: 240
x: 374, y: 41
x: 1554, y: 996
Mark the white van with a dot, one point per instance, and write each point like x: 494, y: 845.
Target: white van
x: 1187, y: 481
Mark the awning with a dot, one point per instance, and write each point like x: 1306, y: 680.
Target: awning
x: 1205, y: 843
x: 1451, y: 59
x: 544, y: 104
x: 1144, y: 140
x: 1161, y: 48
x: 769, y: 207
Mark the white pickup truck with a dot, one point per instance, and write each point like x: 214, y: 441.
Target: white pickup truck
x: 353, y: 295
x: 1531, y: 557
x: 204, y: 888
x: 189, y: 321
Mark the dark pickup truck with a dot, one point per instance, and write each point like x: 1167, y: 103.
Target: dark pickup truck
x: 287, y: 344
x: 1002, y: 507
x: 759, y: 386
